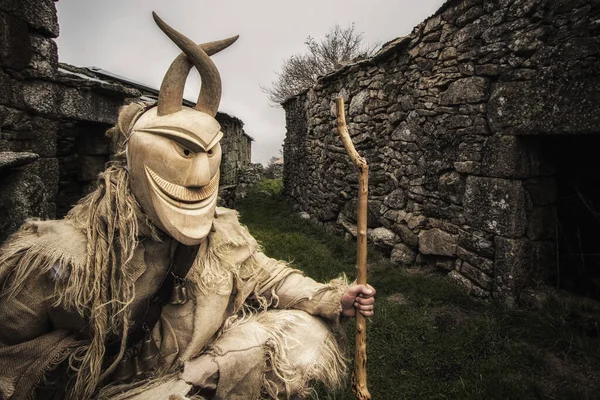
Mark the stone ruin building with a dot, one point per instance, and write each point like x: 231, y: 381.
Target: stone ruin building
x: 482, y: 131
x: 53, y: 118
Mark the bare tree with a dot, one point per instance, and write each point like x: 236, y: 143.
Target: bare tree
x: 301, y: 71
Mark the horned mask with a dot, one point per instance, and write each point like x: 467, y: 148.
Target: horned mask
x: 173, y: 151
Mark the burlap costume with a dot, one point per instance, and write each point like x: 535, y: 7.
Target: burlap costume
x: 233, y: 285
x: 75, y: 292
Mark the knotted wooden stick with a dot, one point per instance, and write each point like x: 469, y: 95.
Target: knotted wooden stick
x: 359, y: 377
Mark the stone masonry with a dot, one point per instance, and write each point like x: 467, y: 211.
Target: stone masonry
x: 451, y: 120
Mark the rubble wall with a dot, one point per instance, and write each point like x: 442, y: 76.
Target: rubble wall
x: 450, y: 119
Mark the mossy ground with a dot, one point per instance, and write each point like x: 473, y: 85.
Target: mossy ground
x: 428, y: 339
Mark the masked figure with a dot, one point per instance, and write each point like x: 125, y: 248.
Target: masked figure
x: 147, y: 289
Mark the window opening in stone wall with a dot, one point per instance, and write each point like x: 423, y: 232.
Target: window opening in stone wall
x: 82, y: 151
x: 578, y: 213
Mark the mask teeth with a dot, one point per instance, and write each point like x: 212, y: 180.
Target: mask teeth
x: 182, y: 193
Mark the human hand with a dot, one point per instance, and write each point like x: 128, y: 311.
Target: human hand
x: 359, y: 297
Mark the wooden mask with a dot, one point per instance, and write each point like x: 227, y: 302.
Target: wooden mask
x: 173, y: 152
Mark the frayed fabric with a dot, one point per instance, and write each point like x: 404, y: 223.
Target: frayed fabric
x: 291, y: 348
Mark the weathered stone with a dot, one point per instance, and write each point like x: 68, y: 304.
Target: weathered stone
x: 415, y: 221
x: 432, y: 24
x: 21, y: 197
x: 525, y: 44
x: 39, y: 14
x: 458, y: 121
x: 32, y: 134
x: 455, y: 276
x: 510, y: 157
x: 579, y: 48
x: 467, y: 167
x: 403, y: 255
x: 394, y: 215
x: 496, y: 205
x: 437, y: 242
x: 452, y: 186
x: 407, y: 236
x: 444, y: 225
x: 358, y: 102
x: 429, y: 48
x: 10, y: 159
x: 48, y: 171
x: 89, y: 106
x: 512, y: 268
x: 554, y: 113
x: 383, y: 237
x: 476, y: 275
x: 476, y: 243
x: 488, y: 69
x: 466, y: 90
x: 395, y: 199
x: 403, y: 133
x: 481, y: 263
x: 42, y: 97
x: 15, y: 50
x: 44, y: 59
x: 470, y: 32
x: 522, y: 8
x: 449, y: 53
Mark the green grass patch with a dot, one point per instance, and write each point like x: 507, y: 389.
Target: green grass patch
x: 428, y: 339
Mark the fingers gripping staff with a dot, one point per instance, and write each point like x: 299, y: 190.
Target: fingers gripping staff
x: 359, y: 377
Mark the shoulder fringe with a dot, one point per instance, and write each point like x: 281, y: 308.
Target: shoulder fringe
x: 32, y: 251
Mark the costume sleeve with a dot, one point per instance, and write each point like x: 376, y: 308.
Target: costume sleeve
x: 289, y: 288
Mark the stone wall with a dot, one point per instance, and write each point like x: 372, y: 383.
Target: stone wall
x: 453, y: 120
x: 236, y: 147
x: 28, y: 164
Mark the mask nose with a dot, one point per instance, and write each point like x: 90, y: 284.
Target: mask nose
x: 198, y: 173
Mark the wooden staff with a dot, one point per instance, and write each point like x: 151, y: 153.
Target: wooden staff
x: 359, y: 377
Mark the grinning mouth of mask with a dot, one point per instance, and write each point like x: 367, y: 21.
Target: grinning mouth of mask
x: 181, y: 196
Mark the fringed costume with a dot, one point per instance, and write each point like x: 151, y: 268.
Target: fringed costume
x: 77, y: 295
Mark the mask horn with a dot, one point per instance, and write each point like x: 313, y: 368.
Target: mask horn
x: 170, y: 95
x: 210, y: 91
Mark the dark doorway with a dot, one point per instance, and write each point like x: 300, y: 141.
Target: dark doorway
x: 82, y: 151
x: 578, y: 213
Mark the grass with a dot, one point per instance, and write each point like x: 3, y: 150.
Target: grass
x: 428, y: 339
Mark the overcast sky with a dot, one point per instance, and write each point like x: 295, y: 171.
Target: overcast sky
x: 120, y: 36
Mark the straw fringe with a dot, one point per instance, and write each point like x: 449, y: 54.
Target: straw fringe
x: 281, y: 375
x: 329, y: 367
x: 91, y: 266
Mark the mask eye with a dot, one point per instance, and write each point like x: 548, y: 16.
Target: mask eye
x: 210, y: 152
x: 183, y: 151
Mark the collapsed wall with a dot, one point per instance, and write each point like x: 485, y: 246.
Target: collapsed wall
x: 457, y: 122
